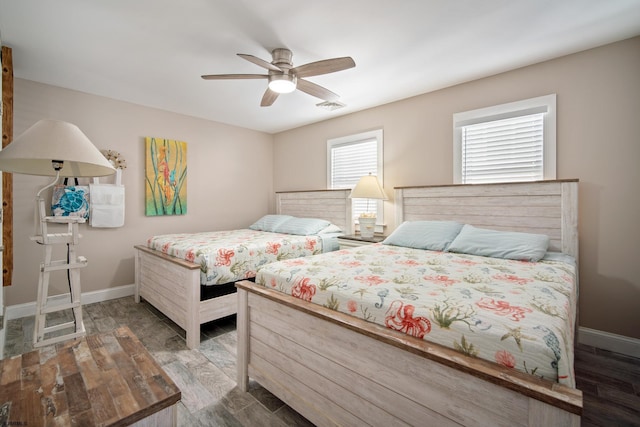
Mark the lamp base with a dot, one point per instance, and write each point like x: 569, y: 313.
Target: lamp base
x: 367, y: 227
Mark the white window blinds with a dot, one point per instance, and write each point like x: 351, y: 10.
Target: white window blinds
x: 351, y: 161
x: 506, y: 143
x: 507, y: 150
x: 351, y: 157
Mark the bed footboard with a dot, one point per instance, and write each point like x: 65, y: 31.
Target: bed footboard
x: 338, y: 370
x: 172, y: 286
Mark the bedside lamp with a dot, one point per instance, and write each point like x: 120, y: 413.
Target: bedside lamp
x: 53, y: 148
x: 56, y: 148
x: 368, y: 188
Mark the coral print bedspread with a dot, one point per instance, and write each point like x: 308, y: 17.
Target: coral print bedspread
x: 518, y: 314
x: 231, y: 255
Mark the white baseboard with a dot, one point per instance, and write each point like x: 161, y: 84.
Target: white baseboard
x: 29, y: 308
x: 608, y: 341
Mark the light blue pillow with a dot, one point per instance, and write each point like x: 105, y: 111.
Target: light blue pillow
x: 500, y: 244
x: 560, y: 257
x: 269, y: 222
x: 432, y: 235
x: 302, y: 226
x: 330, y: 229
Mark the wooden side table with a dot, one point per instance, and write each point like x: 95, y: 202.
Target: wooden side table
x: 100, y: 380
x: 353, y: 240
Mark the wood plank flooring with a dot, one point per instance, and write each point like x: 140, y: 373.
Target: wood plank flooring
x: 206, y: 377
x: 610, y: 383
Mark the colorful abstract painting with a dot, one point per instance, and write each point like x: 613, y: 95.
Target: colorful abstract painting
x: 166, y: 177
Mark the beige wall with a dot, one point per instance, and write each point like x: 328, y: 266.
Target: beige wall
x: 233, y: 172
x: 230, y: 175
x: 598, y: 101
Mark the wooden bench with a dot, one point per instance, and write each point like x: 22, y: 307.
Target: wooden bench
x: 106, y: 379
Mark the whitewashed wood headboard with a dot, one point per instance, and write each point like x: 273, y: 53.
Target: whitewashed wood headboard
x: 332, y: 205
x: 542, y: 207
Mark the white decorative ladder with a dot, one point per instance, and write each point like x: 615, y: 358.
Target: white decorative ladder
x: 72, y: 264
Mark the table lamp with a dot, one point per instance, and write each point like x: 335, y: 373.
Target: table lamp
x: 368, y: 188
x: 53, y: 148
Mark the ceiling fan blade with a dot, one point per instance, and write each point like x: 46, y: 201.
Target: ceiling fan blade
x: 268, y: 98
x: 260, y: 62
x: 323, y: 67
x: 234, y: 76
x: 316, y: 90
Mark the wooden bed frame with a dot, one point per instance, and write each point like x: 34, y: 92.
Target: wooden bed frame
x: 335, y: 369
x: 172, y: 285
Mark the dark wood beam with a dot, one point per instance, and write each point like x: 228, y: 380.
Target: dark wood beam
x: 7, y: 178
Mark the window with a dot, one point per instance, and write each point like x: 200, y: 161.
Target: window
x: 351, y: 157
x: 506, y: 143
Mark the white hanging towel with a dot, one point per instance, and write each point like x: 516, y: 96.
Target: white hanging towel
x: 107, y: 203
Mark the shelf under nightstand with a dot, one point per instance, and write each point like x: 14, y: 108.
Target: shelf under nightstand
x: 354, y: 240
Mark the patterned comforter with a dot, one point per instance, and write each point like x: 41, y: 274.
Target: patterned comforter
x: 518, y: 314
x: 228, y: 256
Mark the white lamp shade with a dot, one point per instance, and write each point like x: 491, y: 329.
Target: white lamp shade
x: 31, y: 153
x: 368, y: 188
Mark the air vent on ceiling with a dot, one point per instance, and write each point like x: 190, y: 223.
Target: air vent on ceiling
x: 331, y: 105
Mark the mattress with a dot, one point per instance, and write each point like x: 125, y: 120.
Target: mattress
x: 232, y: 255
x: 518, y: 314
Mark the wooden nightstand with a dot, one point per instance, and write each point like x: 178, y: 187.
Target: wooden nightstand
x: 353, y: 240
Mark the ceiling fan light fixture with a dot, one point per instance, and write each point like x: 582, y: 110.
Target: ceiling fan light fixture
x: 283, y: 77
x: 282, y: 83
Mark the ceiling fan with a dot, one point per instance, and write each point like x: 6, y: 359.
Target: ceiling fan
x: 285, y: 78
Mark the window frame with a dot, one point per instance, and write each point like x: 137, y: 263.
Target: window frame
x: 543, y: 104
x: 376, y: 134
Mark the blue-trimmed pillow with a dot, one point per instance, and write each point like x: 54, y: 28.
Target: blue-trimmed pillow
x: 432, y: 235
x: 302, y: 226
x: 269, y: 222
x: 500, y: 244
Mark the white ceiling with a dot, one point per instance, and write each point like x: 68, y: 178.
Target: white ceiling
x: 153, y: 52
